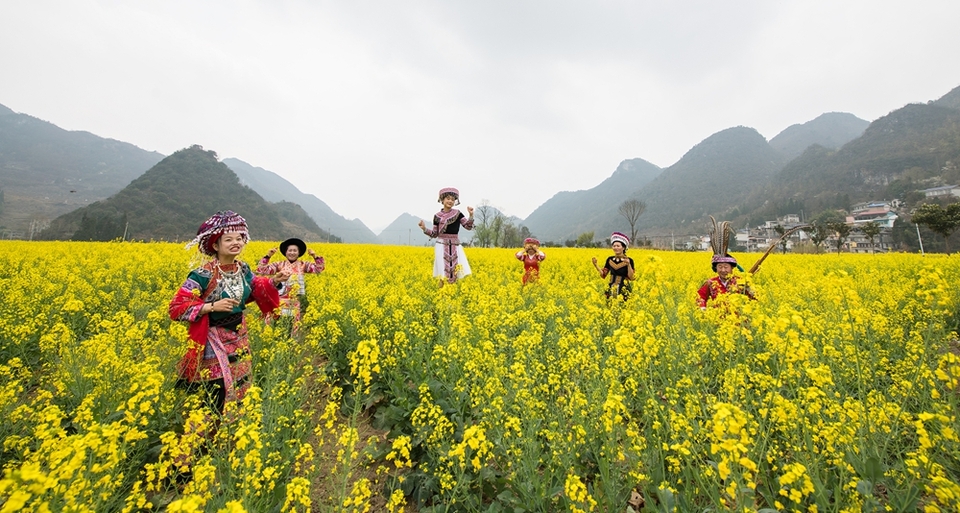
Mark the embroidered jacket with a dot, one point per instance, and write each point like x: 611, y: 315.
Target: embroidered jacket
x: 715, y: 286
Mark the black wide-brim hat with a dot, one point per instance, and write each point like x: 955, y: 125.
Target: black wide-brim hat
x: 302, y: 246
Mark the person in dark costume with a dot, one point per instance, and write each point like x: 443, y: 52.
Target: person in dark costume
x: 618, y: 267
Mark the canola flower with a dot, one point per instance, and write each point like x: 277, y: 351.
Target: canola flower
x: 836, y: 391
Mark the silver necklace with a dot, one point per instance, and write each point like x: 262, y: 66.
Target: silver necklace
x: 231, y: 282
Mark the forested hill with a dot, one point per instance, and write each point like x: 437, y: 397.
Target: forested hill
x: 172, y: 198
x: 951, y: 99
x: 274, y: 187
x: 570, y: 213
x: 914, y: 147
x: 714, y: 178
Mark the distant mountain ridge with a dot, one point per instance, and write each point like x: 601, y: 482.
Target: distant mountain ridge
x: 735, y: 174
x: 172, y: 198
x: 46, y: 171
x: 831, y: 130
x: 950, y: 100
x: 713, y: 178
x: 568, y: 214
x: 275, y: 188
x: 403, y: 231
x: 914, y: 147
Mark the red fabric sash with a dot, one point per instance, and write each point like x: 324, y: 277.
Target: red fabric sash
x: 263, y: 292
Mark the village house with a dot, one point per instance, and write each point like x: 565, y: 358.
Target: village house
x: 939, y: 192
x: 880, y: 212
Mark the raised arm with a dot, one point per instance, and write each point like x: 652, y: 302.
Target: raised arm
x: 317, y: 266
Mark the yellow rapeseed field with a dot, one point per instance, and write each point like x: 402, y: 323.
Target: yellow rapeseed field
x: 837, y: 390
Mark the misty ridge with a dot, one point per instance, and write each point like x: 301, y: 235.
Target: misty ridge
x: 75, y: 185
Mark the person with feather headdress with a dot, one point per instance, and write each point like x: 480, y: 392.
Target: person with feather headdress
x: 722, y: 263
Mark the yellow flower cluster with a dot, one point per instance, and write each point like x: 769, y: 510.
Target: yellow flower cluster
x: 837, y: 389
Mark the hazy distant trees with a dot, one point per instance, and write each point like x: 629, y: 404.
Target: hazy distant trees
x: 870, y: 231
x: 486, y: 226
x: 101, y: 225
x: 491, y: 229
x: 841, y: 230
x: 631, y: 210
x: 818, y: 233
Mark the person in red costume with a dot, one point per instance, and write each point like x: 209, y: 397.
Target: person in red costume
x: 212, y: 301
x: 723, y: 264
x: 531, y: 256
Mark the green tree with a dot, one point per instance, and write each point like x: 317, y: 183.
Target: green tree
x: 842, y: 231
x: 870, y: 231
x: 818, y: 233
x: 829, y: 216
x: 942, y: 221
x: 585, y: 239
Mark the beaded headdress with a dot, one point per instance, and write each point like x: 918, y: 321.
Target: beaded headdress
x: 530, y: 242
x: 621, y: 238
x: 719, y: 238
x: 449, y: 190
x: 218, y: 224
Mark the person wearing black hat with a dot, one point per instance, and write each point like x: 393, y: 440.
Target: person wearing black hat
x: 293, y: 290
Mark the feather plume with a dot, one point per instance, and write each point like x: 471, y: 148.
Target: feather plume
x: 720, y: 236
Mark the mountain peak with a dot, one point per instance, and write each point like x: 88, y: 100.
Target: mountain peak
x: 171, y: 199
x: 830, y: 130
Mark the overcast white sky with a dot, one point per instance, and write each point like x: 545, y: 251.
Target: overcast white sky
x: 375, y: 105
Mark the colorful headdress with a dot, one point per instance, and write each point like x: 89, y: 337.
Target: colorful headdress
x: 530, y: 242
x: 293, y: 241
x: 621, y: 238
x: 719, y: 238
x: 449, y: 190
x: 218, y: 224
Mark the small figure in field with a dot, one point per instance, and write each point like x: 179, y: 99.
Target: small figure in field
x: 293, y: 291
x: 212, y: 302
x: 449, y: 262
x: 531, y: 256
x: 619, y: 267
x: 725, y: 282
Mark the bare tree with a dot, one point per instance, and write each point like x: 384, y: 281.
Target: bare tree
x: 631, y: 210
x: 485, y: 225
